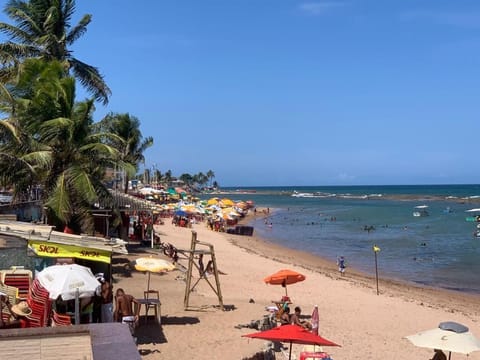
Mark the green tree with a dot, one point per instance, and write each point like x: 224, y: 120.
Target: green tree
x: 51, y: 140
x: 211, y: 176
x: 43, y: 30
x: 129, y: 142
x: 168, y: 177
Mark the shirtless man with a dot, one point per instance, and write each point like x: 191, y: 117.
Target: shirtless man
x: 124, y: 311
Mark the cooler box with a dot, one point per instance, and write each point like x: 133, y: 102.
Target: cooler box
x: 307, y: 355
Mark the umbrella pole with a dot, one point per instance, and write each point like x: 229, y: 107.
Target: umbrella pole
x: 290, y: 353
x: 77, y: 307
x: 148, y: 282
x: 449, y: 355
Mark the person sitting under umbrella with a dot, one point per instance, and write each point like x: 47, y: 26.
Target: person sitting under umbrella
x: 296, y: 320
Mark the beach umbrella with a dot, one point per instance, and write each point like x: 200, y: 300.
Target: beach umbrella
x: 71, y: 281
x: 284, y: 277
x: 213, y: 201
x: 292, y: 334
x: 151, y: 264
x: 181, y: 213
x: 448, y: 336
x: 227, y: 202
x: 67, y: 281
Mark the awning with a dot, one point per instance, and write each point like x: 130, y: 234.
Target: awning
x: 56, y: 250
x: 45, y: 242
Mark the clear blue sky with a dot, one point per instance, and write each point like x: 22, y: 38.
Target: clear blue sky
x: 291, y: 92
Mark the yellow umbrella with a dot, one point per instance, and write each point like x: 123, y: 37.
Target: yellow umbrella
x: 213, y: 201
x: 151, y: 264
x: 227, y: 202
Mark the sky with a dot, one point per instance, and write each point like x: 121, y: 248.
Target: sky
x: 293, y: 92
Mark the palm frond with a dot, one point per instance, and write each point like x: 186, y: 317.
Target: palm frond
x: 81, y: 28
x: 91, y: 79
x: 59, y: 199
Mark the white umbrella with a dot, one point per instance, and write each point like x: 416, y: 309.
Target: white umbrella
x: 66, y: 280
x: 69, y: 282
x: 449, y: 336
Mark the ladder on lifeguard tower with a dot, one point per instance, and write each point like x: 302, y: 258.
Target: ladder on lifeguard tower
x: 203, y: 272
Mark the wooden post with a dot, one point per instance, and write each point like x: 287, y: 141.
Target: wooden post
x: 189, y: 269
x: 376, y: 249
x: 217, y: 278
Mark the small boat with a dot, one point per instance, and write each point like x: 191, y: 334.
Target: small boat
x: 420, y: 211
x: 473, y: 215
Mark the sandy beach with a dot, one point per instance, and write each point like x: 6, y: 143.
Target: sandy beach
x: 366, y: 325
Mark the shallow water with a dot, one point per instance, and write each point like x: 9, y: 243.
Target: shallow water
x: 438, y: 250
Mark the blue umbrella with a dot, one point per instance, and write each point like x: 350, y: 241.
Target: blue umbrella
x: 180, y: 213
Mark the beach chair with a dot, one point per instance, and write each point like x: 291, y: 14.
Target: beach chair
x: 40, y: 303
x: 152, y: 301
x: 313, y: 352
x: 61, y: 319
x: 19, y: 278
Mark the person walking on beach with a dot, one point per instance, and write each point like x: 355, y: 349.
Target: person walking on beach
x: 341, y: 265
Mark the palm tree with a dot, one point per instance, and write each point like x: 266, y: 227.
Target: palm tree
x: 168, y: 177
x: 210, y: 175
x: 51, y: 140
x: 42, y: 30
x: 129, y: 143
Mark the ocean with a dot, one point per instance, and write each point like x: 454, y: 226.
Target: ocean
x: 438, y: 250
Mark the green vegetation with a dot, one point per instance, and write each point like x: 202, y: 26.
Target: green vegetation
x: 49, y: 143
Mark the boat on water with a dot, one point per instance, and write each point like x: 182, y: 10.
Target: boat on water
x: 473, y: 215
x: 420, y: 211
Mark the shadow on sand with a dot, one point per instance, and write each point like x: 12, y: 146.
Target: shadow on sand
x: 180, y: 320
x: 149, y: 333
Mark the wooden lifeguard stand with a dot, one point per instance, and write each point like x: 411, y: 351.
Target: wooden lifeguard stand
x: 209, y: 250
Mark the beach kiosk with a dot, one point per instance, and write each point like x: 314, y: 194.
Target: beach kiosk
x: 50, y: 247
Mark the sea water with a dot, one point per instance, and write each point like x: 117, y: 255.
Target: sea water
x: 438, y: 250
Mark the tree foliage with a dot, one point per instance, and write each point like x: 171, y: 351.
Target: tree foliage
x: 42, y: 29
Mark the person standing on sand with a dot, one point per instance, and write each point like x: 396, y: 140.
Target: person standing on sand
x: 107, y: 301
x: 341, y: 265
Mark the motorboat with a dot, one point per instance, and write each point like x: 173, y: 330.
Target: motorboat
x: 420, y: 211
x: 473, y: 215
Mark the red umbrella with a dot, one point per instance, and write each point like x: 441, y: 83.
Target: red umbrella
x: 284, y: 277
x: 292, y: 334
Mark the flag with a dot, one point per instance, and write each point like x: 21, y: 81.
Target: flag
x: 376, y: 248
